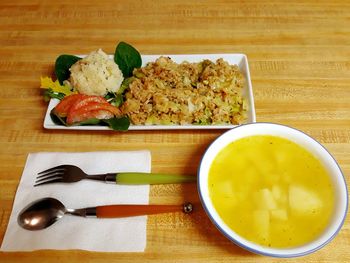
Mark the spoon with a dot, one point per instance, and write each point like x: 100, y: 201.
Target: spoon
x: 44, y: 212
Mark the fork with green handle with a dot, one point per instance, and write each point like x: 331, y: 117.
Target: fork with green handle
x: 72, y: 173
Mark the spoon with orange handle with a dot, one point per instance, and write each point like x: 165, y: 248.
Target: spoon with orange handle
x: 44, y: 212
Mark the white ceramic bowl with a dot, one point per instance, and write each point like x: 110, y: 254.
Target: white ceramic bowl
x: 341, y: 198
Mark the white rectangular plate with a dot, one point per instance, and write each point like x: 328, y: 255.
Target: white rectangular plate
x: 238, y: 59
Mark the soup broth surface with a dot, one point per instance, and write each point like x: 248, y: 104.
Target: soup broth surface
x: 271, y: 191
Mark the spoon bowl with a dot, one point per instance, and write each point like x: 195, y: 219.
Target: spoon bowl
x: 41, y: 214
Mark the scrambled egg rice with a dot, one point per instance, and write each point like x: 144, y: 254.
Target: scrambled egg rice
x: 165, y: 92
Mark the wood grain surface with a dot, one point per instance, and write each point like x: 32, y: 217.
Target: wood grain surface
x: 299, y: 55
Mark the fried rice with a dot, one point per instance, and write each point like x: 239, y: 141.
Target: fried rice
x: 205, y: 93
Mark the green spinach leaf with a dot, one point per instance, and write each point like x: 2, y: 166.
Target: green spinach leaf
x: 92, y: 121
x: 127, y: 58
x: 49, y: 93
x: 57, y: 119
x: 115, y: 99
x: 118, y: 100
x: 62, y: 65
x: 118, y: 124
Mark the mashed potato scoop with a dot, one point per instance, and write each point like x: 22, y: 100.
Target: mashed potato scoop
x: 95, y: 74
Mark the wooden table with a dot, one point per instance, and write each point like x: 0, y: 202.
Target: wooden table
x: 299, y: 61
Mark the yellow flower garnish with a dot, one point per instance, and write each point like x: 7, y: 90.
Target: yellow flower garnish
x: 48, y: 83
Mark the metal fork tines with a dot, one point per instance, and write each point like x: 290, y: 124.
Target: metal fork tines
x: 66, y: 174
x: 51, y: 175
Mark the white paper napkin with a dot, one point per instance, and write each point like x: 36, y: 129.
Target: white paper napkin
x: 71, y: 232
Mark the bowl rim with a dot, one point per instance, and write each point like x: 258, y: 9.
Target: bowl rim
x: 259, y: 249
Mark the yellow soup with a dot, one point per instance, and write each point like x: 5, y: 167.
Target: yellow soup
x: 271, y: 191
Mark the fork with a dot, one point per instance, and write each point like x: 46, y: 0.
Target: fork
x: 72, y: 173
